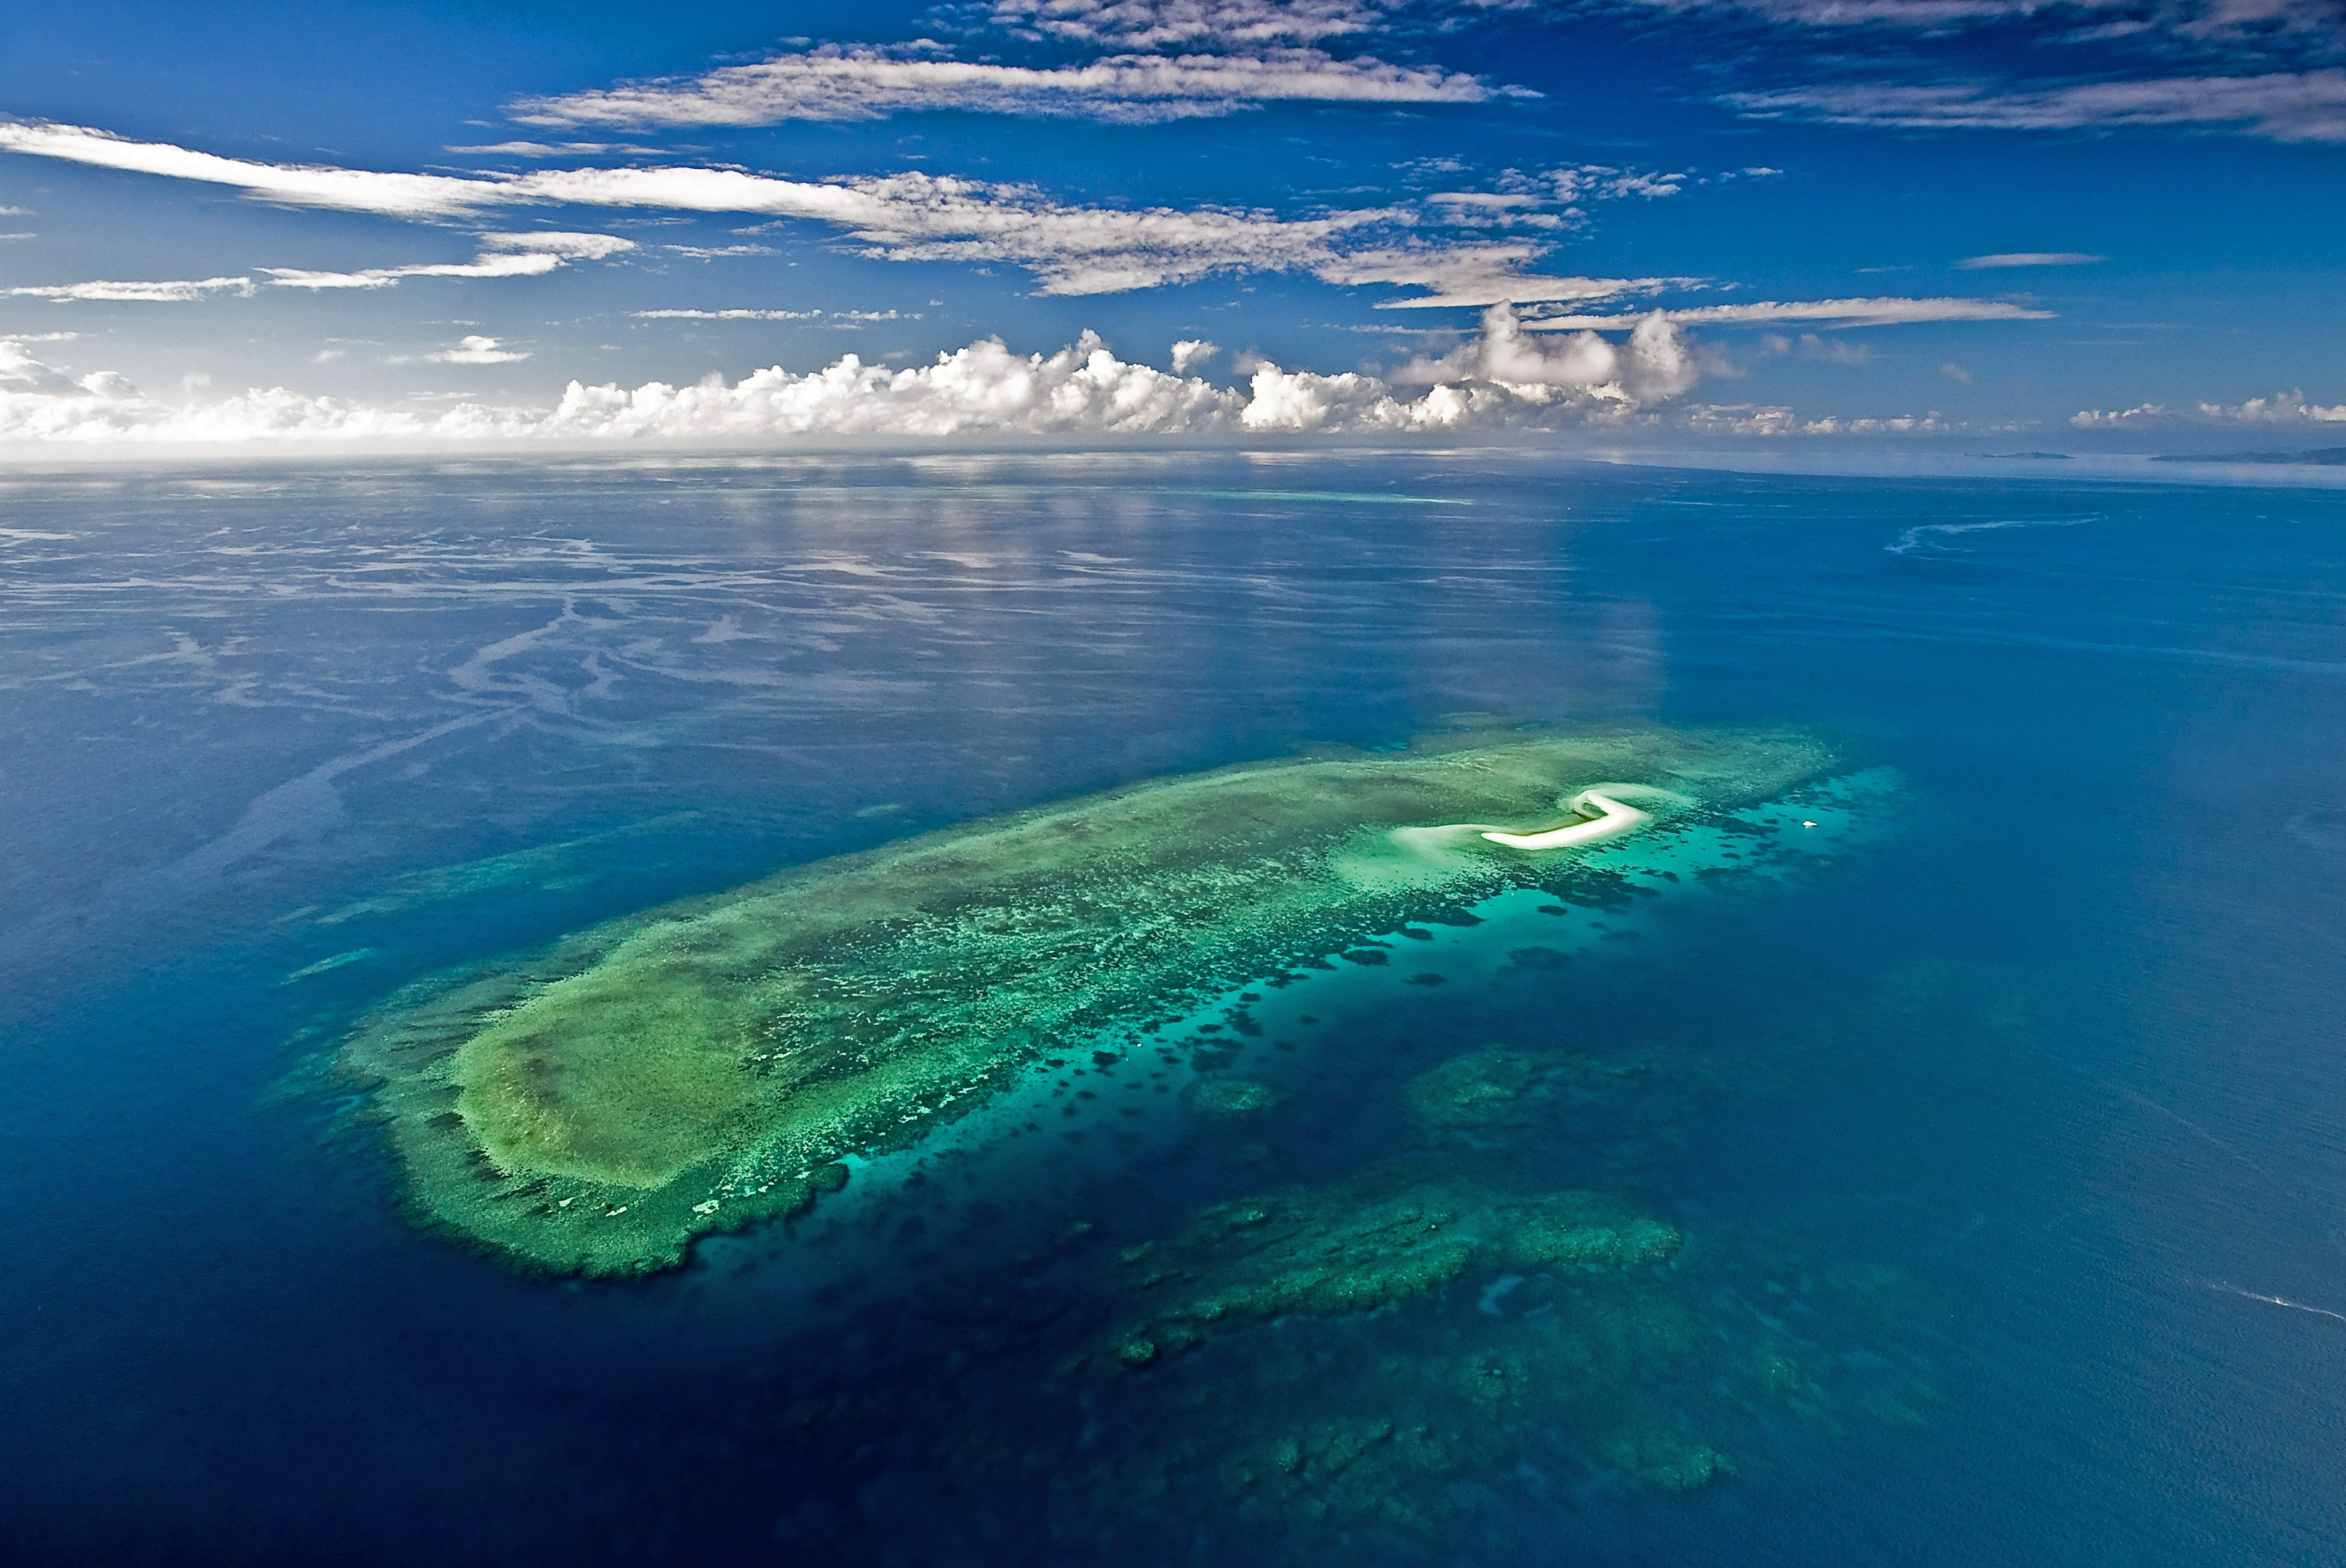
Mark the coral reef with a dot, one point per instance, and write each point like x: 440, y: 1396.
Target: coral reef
x: 1233, y: 1098
x: 1358, y: 1353
x: 591, y: 1109
x: 1497, y: 1090
x: 1358, y: 1246
x: 1361, y: 1363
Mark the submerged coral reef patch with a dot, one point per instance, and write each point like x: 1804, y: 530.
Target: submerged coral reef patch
x: 1361, y: 1363
x: 592, y: 1108
x: 1352, y: 1353
x: 1358, y: 1248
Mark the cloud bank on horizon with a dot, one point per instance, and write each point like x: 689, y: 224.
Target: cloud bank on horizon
x: 1502, y: 379
x: 1467, y: 218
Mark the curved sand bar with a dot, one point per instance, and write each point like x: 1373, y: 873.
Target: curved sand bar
x: 591, y: 1108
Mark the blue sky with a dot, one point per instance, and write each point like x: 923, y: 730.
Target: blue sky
x: 1987, y: 222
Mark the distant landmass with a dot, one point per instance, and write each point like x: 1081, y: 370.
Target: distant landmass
x: 2026, y: 456
x: 2326, y: 456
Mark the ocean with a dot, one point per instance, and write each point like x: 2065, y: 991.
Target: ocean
x: 1920, y: 1143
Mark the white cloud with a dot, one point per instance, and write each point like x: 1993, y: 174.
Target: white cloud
x: 839, y: 83
x: 2302, y: 105
x: 1891, y: 424
x: 541, y: 149
x: 1475, y: 276
x: 2288, y: 23
x: 982, y: 391
x: 733, y: 315
x: 507, y: 265
x: 1655, y: 365
x: 2289, y: 408
x: 1916, y: 13
x: 1741, y: 419
x: 1081, y: 250
x: 1812, y: 346
x: 520, y: 255
x: 1859, y: 312
x: 1168, y: 23
x: 2118, y: 419
x: 2029, y: 259
x: 569, y: 246
x: 1192, y: 352
x: 141, y: 293
x: 2281, y: 408
x: 1238, y: 23
x: 1551, y: 199
x: 1773, y: 420
x: 353, y: 190
x: 474, y: 350
x: 749, y: 315
x: 912, y: 216
x: 20, y: 373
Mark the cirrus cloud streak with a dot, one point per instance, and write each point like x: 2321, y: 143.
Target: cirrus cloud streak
x: 1069, y: 249
x: 2285, y: 106
x: 175, y: 292
x: 839, y: 83
x: 1891, y: 311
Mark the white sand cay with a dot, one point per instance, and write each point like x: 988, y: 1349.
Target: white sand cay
x: 1612, y: 818
x: 1601, y: 813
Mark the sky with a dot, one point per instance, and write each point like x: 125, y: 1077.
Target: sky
x: 1999, y: 225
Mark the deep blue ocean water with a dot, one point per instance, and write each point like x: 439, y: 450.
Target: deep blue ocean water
x: 2060, y: 1056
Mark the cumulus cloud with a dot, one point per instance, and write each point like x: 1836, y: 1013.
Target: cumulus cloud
x: 2142, y: 413
x: 983, y: 390
x: 1741, y: 419
x: 1889, y: 425
x: 1889, y: 312
x: 841, y: 82
x: 474, y: 350
x: 1655, y: 364
x: 140, y: 293
x: 1069, y: 249
x: 2289, y: 408
x: 1776, y: 420
x: 1192, y: 352
x: 2286, y: 106
x: 2281, y: 408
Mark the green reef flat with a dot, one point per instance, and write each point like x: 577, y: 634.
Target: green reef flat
x: 591, y: 1108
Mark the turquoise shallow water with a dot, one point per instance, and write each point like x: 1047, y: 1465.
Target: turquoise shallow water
x: 2014, y: 1125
